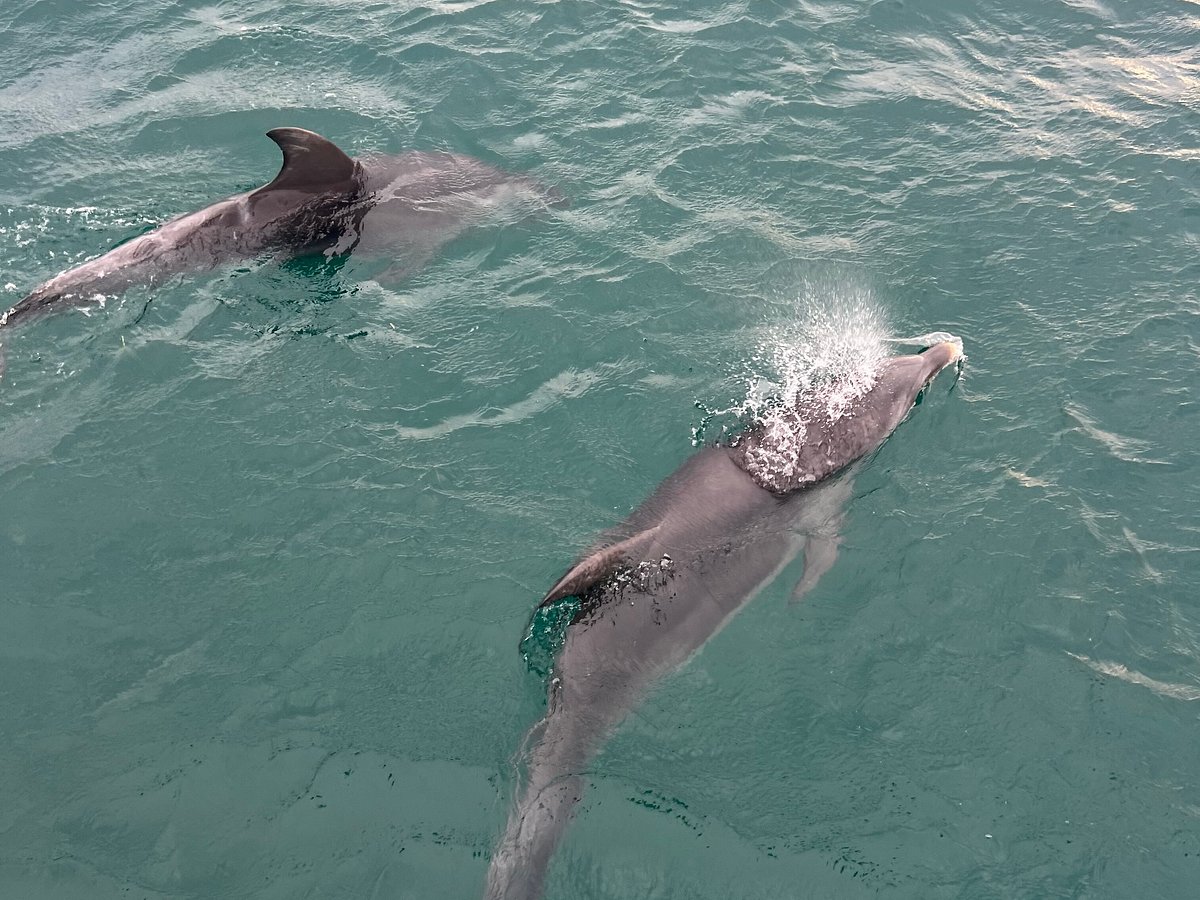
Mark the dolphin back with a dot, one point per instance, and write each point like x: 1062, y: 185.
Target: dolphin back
x: 300, y: 207
x: 809, y: 442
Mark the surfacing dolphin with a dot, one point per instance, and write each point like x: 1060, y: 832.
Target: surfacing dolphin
x: 322, y: 201
x: 656, y: 588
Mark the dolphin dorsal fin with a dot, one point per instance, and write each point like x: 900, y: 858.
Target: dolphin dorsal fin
x: 598, y: 565
x: 310, y: 162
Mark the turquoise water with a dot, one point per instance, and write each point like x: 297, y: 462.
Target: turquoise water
x: 267, y: 549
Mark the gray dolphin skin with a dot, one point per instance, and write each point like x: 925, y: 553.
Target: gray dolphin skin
x: 322, y: 201
x: 657, y: 587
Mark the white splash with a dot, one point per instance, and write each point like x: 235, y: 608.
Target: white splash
x: 831, y: 353
x: 928, y: 340
x: 821, y: 363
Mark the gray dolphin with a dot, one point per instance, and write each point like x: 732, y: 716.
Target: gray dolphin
x: 656, y: 588
x: 322, y: 201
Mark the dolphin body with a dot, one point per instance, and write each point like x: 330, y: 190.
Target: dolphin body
x: 657, y: 587
x: 322, y: 201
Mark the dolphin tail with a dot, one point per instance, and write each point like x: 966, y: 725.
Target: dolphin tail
x: 518, y: 867
x: 562, y: 743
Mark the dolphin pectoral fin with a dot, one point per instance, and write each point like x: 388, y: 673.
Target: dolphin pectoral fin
x: 310, y: 162
x: 598, y: 565
x: 820, y: 552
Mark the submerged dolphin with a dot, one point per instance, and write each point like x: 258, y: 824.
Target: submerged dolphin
x: 322, y: 201
x: 655, y: 589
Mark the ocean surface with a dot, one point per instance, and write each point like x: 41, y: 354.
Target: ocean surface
x: 270, y: 535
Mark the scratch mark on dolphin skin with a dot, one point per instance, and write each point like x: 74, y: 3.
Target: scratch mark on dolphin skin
x: 1116, y: 670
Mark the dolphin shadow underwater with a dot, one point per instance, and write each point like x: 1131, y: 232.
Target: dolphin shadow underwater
x: 653, y: 590
x: 322, y: 201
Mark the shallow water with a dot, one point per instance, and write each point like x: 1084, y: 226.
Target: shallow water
x: 267, y: 548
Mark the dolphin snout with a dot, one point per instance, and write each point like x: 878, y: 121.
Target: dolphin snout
x: 955, y: 349
x: 942, y: 354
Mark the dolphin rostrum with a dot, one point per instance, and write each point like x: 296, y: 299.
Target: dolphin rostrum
x: 656, y: 588
x: 322, y: 201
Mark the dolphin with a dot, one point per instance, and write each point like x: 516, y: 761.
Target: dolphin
x: 653, y: 590
x: 322, y: 201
